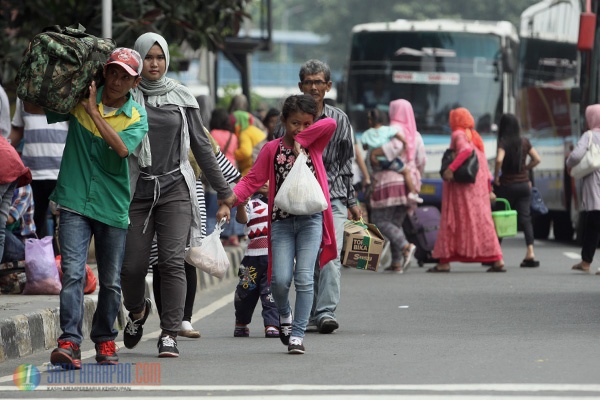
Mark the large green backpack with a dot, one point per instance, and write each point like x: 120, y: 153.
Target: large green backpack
x: 59, y: 65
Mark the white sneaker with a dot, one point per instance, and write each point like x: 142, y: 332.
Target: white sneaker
x: 415, y: 197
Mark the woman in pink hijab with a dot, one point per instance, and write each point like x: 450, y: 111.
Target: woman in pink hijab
x: 590, y: 190
x: 389, y: 201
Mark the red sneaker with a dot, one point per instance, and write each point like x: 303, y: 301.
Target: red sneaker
x: 67, y: 355
x: 106, y: 353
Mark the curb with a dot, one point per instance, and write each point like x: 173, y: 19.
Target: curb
x: 26, y: 334
x: 37, y: 331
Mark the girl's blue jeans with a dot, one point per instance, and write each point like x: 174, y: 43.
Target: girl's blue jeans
x: 295, y: 238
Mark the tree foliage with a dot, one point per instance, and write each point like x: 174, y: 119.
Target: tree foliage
x: 197, y: 22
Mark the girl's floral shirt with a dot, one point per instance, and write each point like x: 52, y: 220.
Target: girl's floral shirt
x: 284, y: 161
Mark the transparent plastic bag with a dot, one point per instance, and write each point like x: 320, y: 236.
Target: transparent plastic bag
x: 300, y: 193
x: 40, y: 267
x: 210, y: 256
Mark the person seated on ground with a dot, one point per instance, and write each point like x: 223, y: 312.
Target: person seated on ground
x: 376, y: 136
x: 19, y: 225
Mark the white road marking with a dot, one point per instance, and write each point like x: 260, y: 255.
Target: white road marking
x: 288, y: 390
x: 352, y: 397
x: 571, y: 255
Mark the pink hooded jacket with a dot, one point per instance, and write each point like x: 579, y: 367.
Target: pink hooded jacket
x: 314, y: 138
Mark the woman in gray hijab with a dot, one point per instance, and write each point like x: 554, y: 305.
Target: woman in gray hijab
x: 164, y: 202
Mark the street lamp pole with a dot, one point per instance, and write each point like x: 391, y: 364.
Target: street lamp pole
x: 107, y: 18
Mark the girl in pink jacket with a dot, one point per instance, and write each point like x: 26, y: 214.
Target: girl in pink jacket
x: 299, y: 237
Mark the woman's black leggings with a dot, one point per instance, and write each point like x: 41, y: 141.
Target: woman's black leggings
x: 519, y: 197
x: 591, y: 235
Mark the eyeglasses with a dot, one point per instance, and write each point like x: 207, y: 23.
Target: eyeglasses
x: 309, y: 83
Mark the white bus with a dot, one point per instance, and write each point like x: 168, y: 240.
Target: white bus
x: 549, y: 113
x: 437, y: 65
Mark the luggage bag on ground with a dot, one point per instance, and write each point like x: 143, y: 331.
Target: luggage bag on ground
x: 421, y: 229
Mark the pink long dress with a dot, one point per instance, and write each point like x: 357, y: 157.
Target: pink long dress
x: 467, y: 232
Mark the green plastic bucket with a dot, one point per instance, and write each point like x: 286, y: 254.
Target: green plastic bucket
x: 505, y: 221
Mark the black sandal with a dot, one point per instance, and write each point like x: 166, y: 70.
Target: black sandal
x: 530, y: 263
x: 436, y: 269
x: 499, y: 268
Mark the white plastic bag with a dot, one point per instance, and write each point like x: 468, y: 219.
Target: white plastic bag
x: 590, y: 161
x: 300, y: 193
x: 210, y: 256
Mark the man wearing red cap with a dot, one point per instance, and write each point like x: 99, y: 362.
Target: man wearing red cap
x: 93, y: 194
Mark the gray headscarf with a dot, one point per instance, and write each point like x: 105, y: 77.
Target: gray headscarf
x: 161, y: 91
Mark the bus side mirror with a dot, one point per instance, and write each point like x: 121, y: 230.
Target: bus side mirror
x: 587, y: 31
x: 508, y: 60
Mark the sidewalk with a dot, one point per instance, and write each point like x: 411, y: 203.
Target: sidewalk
x: 30, y: 324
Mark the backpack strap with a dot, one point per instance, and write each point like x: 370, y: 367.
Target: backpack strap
x: 47, y: 79
x: 228, y: 142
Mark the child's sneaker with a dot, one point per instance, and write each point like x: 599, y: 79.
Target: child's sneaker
x: 415, y: 197
x: 296, y: 346
x: 106, y: 353
x: 396, y: 165
x: 241, y: 331
x: 67, y: 355
x: 285, y: 331
x: 271, y: 332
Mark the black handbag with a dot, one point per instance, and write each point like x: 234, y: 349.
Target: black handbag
x: 467, y: 172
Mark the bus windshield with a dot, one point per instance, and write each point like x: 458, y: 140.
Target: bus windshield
x: 548, y: 72
x: 435, y: 71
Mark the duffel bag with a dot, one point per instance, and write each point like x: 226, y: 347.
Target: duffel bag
x: 59, y: 65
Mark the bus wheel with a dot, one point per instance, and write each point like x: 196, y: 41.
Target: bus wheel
x: 563, y: 229
x: 541, y: 226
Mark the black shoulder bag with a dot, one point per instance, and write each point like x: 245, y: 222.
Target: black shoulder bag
x: 467, y: 172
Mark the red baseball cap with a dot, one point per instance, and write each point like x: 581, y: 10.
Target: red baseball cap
x: 129, y: 59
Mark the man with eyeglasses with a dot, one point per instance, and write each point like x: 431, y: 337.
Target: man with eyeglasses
x: 315, y: 80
